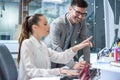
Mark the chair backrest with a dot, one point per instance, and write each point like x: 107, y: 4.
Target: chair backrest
x: 8, y: 70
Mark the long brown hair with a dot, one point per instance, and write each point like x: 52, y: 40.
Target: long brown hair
x: 27, y: 29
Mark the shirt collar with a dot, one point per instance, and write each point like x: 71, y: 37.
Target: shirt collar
x: 35, y: 41
x: 67, y: 16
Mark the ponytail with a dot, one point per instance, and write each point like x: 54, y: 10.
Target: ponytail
x: 27, y: 29
x: 25, y: 34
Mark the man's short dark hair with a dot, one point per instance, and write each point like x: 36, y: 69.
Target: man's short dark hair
x: 79, y: 3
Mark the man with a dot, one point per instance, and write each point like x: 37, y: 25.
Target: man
x: 69, y: 30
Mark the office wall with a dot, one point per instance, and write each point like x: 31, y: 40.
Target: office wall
x: 115, y: 4
x: 99, y: 28
x: 10, y: 18
x: 99, y: 25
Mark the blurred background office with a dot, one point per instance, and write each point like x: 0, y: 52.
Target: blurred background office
x: 102, y: 20
x: 12, y: 13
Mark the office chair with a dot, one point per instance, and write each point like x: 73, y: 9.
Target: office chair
x: 8, y: 70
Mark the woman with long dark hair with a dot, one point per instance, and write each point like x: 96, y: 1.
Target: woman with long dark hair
x: 34, y: 57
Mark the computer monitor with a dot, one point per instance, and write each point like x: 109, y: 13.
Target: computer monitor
x: 109, y: 24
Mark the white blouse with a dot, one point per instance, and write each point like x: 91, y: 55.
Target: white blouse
x: 36, y: 59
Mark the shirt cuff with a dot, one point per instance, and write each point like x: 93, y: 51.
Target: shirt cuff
x: 73, y: 51
x: 71, y: 64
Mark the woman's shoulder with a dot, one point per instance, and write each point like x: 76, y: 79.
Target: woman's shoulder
x: 26, y: 42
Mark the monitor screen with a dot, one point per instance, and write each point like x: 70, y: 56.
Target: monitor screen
x: 109, y: 24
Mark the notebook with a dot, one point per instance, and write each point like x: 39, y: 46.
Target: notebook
x: 114, y: 63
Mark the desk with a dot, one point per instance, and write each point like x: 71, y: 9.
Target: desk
x: 107, y: 71
x: 46, y: 78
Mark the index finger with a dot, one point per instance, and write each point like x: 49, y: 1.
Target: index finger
x: 88, y: 39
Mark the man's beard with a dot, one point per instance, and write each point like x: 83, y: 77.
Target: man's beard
x: 77, y: 20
